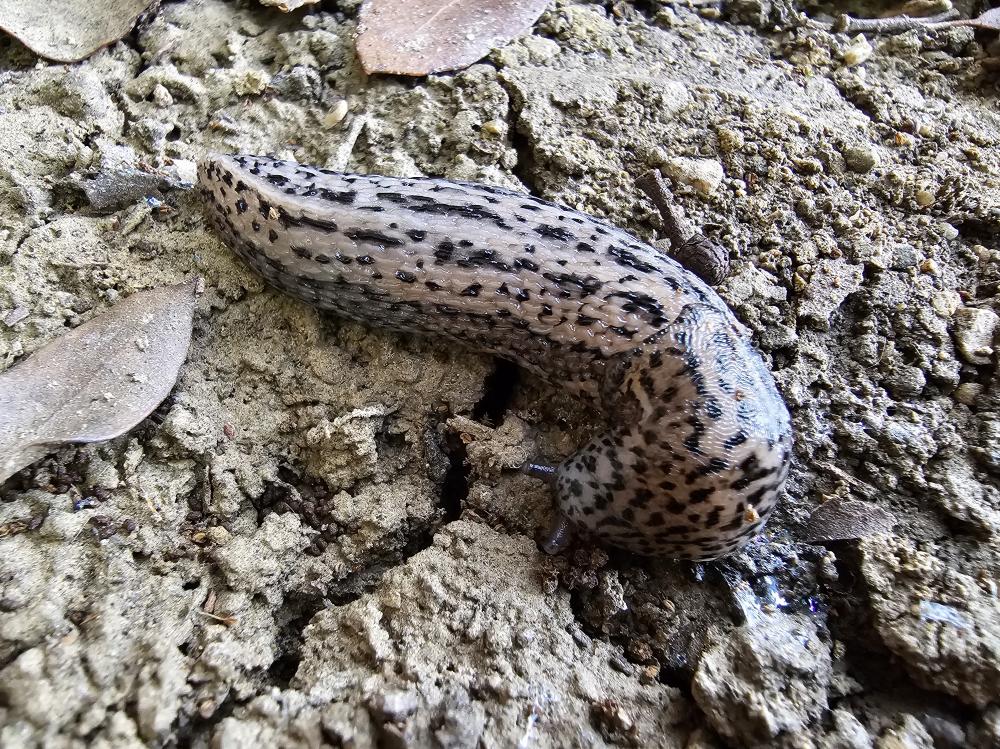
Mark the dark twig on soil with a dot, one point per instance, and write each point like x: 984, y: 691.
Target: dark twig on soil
x: 700, y: 255
x: 895, y: 25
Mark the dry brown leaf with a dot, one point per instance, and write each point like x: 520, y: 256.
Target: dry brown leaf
x: 841, y: 519
x: 97, y: 381
x: 69, y: 30
x: 418, y: 37
x: 990, y: 20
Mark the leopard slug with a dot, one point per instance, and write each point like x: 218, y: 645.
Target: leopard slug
x: 699, y: 440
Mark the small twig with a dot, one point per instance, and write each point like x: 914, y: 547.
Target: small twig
x: 696, y: 252
x: 653, y: 185
x: 847, y: 25
x: 229, y: 621
x: 346, y: 148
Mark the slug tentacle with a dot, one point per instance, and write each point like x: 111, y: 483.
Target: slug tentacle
x: 702, y: 439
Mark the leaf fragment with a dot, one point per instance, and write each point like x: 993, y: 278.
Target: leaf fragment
x: 69, y: 30
x: 97, y: 381
x: 842, y: 519
x: 418, y: 37
x: 990, y: 21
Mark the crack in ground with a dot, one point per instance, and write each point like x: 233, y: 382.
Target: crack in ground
x: 296, y: 612
x: 454, y: 482
x: 524, y: 169
x: 498, y: 392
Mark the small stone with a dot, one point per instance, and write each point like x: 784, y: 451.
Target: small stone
x: 618, y: 663
x: 251, y: 82
x: 704, y: 175
x: 286, y: 6
x: 639, y: 650
x: 909, y: 734
x: 903, y: 256
x: 161, y: 96
x: 904, y: 140
x: 336, y: 114
x: 930, y: 267
x: 219, y: 536
x: 541, y: 49
x: 730, y: 141
x: 185, y: 171
x: 394, y: 705
x: 494, y: 127
x: 906, y: 381
x: 945, y: 733
x: 582, y: 639
x: 809, y: 166
x: 525, y: 637
x: 861, y: 159
x: 946, y: 302
x: 857, y: 52
x: 15, y: 316
x: 924, y: 198
x: 947, y: 231
x: 974, y: 331
x: 967, y: 392
x: 250, y: 28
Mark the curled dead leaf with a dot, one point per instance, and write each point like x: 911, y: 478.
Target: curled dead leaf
x: 97, y: 381
x: 418, y: 37
x: 841, y: 519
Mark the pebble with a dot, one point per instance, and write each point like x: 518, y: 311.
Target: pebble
x: 494, y: 127
x: 541, y: 49
x: 394, y: 705
x: 336, y: 114
x: 858, y: 51
x: 930, y: 267
x: 906, y: 381
x: 904, y: 256
x: 704, y: 175
x: 161, y: 96
x: 251, y: 29
x: 809, y: 166
x: 15, y: 316
x: 251, y: 82
x: 967, y: 392
x: 945, y: 733
x: 974, y: 331
x: 186, y: 171
x: 861, y: 159
x: 582, y: 639
x: 730, y: 141
x: 621, y: 665
x: 219, y: 536
x: 946, y: 302
x: 947, y: 231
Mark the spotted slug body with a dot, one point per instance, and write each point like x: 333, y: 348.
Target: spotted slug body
x: 699, y: 440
